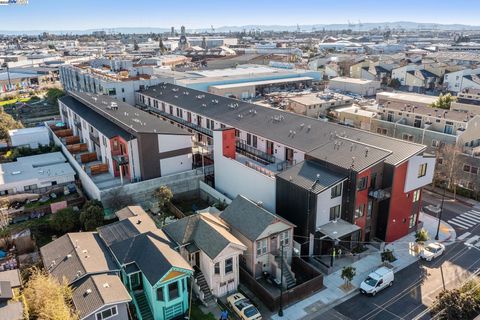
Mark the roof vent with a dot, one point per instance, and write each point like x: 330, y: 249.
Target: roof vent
x: 88, y: 291
x: 366, y: 152
x: 139, y: 221
x: 69, y: 256
x: 106, y: 285
x: 16, y: 172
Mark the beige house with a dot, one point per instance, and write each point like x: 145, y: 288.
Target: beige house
x: 264, y: 234
x: 317, y: 104
x: 357, y: 86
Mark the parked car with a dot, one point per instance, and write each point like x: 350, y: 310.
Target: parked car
x: 53, y: 196
x: 72, y: 188
x: 432, y: 251
x: 243, y: 307
x: 377, y: 281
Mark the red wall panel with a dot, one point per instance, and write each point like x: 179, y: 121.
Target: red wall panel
x: 229, y: 146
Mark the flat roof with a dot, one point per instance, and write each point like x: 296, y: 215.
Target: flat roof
x: 315, y: 98
x: 408, y: 97
x: 338, y: 229
x: 34, y: 130
x: 351, y: 80
x: 356, y: 110
x: 293, y: 130
x: 259, y: 83
x: 42, y: 166
x: 125, y: 116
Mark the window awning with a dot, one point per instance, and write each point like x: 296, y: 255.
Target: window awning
x: 338, y: 229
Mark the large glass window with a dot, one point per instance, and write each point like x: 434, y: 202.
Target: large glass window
x: 160, y: 296
x: 228, y: 265
x: 284, y: 238
x: 337, y: 191
x: 217, y: 268
x: 362, y: 183
x: 422, y: 170
x: 335, y: 212
x: 261, y: 247
x: 173, y: 291
x: 106, y: 314
x: 360, y: 211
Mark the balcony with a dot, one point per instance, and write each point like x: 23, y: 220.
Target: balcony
x: 94, y: 138
x: 254, y: 153
x: 181, y: 121
x: 380, y: 194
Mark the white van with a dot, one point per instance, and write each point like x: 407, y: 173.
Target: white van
x: 377, y: 281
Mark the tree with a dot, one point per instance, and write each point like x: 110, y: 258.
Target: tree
x: 116, y: 199
x: 47, y: 299
x: 348, y: 273
x: 421, y: 236
x: 444, y: 101
x: 53, y: 94
x: 161, y: 46
x: 91, y: 216
x: 394, y: 83
x: 461, y: 303
x: 135, y: 45
x: 64, y: 220
x: 163, y: 195
x: 7, y: 123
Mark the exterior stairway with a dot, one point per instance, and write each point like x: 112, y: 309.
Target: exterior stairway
x: 202, y: 283
x: 143, y: 306
x: 289, y: 278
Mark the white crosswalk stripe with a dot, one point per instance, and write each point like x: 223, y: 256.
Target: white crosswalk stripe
x: 468, y: 220
x: 471, y: 216
x: 463, y: 236
x: 472, y: 239
x: 457, y: 224
x: 464, y: 221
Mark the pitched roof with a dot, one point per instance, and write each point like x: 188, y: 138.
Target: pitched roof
x: 293, y: 130
x: 138, y: 240
x: 207, y: 232
x: 248, y: 218
x: 312, y: 176
x: 98, y: 291
x: 75, y: 255
x: 128, y: 212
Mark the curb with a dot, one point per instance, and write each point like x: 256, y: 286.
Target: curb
x: 464, y: 202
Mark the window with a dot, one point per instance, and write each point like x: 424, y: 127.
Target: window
x: 217, y: 268
x: 335, y: 212
x: 171, y: 110
x: 284, y: 238
x: 422, y: 170
x: 261, y: 247
x: 254, y: 144
x: 440, y: 160
x: 360, y: 211
x: 416, y: 195
x: 373, y: 180
x: 108, y: 313
x: 435, y: 143
x: 160, y: 296
x: 337, y: 191
x: 173, y: 292
x: 407, y: 137
x: 249, y: 139
x: 369, y: 208
x: 229, y: 265
x: 382, y: 131
x: 30, y: 187
x: 474, y: 170
x: 362, y: 183
x: 413, y: 219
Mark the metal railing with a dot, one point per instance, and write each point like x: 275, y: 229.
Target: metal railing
x: 94, y: 138
x: 379, y: 194
x: 245, y: 149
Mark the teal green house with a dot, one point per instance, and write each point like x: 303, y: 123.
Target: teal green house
x: 155, y: 275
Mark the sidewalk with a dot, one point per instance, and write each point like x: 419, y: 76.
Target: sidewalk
x: 448, y: 194
x: 333, y: 295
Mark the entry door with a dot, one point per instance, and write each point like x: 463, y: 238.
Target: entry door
x: 196, y: 259
x: 289, y: 154
x: 273, y: 244
x: 136, y: 281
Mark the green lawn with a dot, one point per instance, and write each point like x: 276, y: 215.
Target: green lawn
x: 197, y: 314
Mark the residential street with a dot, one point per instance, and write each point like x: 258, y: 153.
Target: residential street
x: 416, y: 286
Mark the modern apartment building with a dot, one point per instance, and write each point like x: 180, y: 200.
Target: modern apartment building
x: 255, y: 147
x: 112, y: 143
x: 116, y: 78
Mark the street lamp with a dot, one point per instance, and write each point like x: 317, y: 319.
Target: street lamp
x: 441, y: 211
x: 280, y: 310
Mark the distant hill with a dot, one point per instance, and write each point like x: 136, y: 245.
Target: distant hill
x: 407, y: 25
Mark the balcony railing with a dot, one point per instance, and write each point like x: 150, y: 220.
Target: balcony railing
x: 77, y: 123
x: 95, y: 139
x: 181, y: 121
x: 247, y: 150
x: 379, y: 194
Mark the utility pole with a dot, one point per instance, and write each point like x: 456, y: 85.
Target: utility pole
x: 441, y: 211
x: 280, y: 310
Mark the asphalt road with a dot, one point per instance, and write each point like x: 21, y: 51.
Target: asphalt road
x: 416, y: 286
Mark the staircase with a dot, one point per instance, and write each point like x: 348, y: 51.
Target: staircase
x: 143, y: 306
x: 202, y: 283
x: 289, y: 278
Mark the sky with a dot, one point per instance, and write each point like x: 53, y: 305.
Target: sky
x: 99, y: 14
